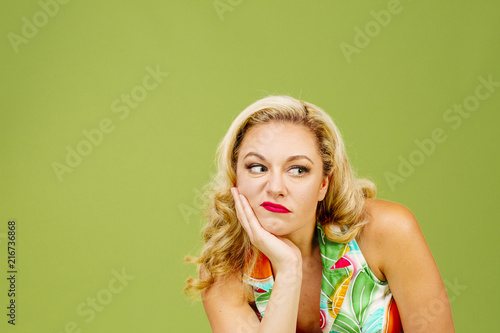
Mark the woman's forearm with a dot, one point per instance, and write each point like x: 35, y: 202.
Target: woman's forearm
x: 282, y: 309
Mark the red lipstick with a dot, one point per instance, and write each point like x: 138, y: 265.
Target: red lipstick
x: 275, y: 208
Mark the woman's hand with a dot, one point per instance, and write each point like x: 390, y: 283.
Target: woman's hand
x: 282, y: 253
x: 227, y: 307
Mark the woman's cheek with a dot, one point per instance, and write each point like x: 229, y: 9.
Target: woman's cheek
x: 308, y: 201
x: 246, y: 190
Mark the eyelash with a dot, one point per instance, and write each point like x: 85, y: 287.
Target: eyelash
x: 299, y: 167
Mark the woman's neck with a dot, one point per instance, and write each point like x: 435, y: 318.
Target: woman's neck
x: 306, y: 240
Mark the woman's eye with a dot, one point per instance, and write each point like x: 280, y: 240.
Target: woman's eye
x: 257, y: 168
x: 299, y: 170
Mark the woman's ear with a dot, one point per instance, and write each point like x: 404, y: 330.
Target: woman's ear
x: 323, y: 188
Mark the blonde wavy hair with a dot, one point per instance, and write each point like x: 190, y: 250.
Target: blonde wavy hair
x: 227, y: 249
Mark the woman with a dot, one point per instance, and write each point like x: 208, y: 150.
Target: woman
x: 295, y: 243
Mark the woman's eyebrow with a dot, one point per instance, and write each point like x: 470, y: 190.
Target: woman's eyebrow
x: 291, y: 158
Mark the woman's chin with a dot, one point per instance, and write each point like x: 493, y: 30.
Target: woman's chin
x: 274, y: 225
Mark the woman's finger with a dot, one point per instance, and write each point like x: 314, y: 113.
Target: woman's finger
x: 260, y: 236
x: 253, y: 222
x: 240, y: 212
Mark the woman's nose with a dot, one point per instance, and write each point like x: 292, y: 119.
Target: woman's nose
x: 276, y: 184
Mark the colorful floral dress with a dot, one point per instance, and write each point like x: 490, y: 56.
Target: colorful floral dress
x: 353, y: 299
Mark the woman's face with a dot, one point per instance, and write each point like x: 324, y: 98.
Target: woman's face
x: 280, y: 171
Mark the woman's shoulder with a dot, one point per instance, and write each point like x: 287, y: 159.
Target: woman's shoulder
x: 389, y: 228
x: 388, y: 219
x: 396, y: 248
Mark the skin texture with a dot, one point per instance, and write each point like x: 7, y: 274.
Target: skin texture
x: 275, y: 170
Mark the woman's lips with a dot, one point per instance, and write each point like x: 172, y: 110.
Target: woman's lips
x: 275, y: 208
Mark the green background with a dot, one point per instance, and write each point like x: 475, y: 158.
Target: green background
x: 133, y: 201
